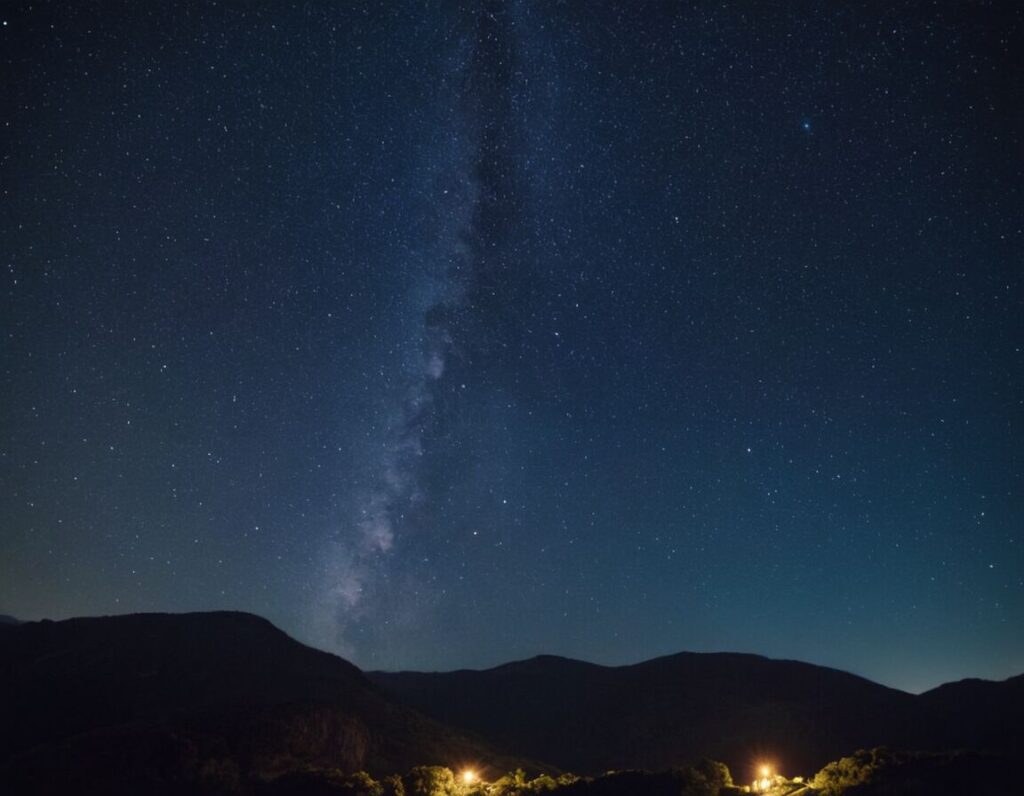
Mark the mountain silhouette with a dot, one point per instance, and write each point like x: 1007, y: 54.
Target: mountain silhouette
x: 736, y: 708
x: 153, y: 702
x: 225, y: 702
x: 977, y: 714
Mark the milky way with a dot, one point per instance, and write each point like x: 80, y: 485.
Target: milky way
x: 461, y: 322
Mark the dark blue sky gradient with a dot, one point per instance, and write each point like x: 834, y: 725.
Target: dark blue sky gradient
x: 447, y: 334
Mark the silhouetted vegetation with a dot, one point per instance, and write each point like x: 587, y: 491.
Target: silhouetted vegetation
x: 883, y: 772
x: 847, y: 772
x: 876, y: 772
x: 705, y: 779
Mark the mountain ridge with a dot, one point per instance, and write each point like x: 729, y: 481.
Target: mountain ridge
x: 152, y: 701
x: 688, y: 705
x: 543, y: 656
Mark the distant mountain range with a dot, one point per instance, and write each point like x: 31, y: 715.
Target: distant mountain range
x: 165, y: 703
x: 730, y: 707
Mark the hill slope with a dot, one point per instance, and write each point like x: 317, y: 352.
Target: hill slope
x: 155, y: 701
x: 677, y: 709
x: 979, y: 714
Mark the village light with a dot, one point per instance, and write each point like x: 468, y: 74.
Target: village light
x: 764, y: 781
x: 468, y: 776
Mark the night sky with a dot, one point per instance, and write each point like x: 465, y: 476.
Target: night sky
x: 448, y: 334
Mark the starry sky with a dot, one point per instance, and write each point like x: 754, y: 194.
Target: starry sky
x: 444, y: 334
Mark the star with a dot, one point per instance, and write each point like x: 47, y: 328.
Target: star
x: 366, y: 296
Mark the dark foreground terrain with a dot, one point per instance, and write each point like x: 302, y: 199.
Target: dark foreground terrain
x: 227, y: 703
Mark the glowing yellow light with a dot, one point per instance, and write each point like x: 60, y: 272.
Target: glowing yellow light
x: 469, y: 776
x: 766, y: 771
